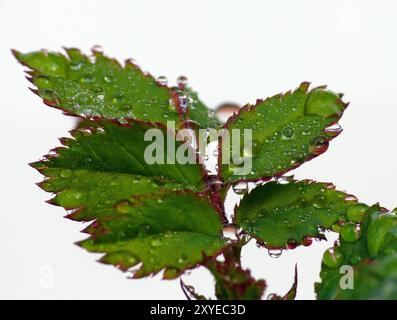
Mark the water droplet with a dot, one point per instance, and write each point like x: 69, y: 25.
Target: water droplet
x: 155, y: 242
x: 42, y: 81
x: 230, y: 231
x: 83, y: 100
x: 49, y: 95
x: 225, y: 111
x: 171, y: 273
x: 307, y: 241
x: 108, y: 78
x: 240, y: 188
x: 334, y: 129
x: 115, y: 181
x: 288, y: 133
x: 182, y: 258
x: 318, y: 145
x: 183, y: 102
x: 350, y: 232
x: 351, y: 198
x: 66, y: 173
x: 144, y: 229
x: 124, y: 206
x: 356, y: 212
x: 162, y: 80
x: 76, y: 65
x: 320, y: 201
x: 274, y: 253
x: 87, y: 78
x: 118, y: 97
x: 303, y: 203
x: 333, y: 258
x: 214, y: 182
x: 355, y: 259
x: 97, y: 49
x: 292, y: 244
x: 182, y: 82
x: 260, y: 243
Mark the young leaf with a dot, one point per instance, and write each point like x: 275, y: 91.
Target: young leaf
x: 98, y: 86
x: 287, y: 130
x: 286, y: 215
x: 369, y: 250
x: 166, y: 230
x: 106, y: 163
x: 232, y: 282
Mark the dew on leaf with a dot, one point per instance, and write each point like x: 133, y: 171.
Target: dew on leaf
x: 155, y: 242
x: 66, y: 173
x: 226, y: 110
x: 162, y: 80
x: 182, y: 82
x: 274, y: 253
x: 182, y: 258
x: 83, y: 100
x: 288, y: 133
x: 124, y: 206
x: 320, y: 201
x: 307, y: 241
x: 230, y: 231
x: 318, y: 145
x: 292, y: 244
x: 240, y: 188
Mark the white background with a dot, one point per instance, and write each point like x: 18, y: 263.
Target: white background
x: 231, y: 51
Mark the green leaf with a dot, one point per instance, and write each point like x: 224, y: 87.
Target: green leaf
x: 372, y: 255
x: 98, y: 86
x: 105, y: 163
x: 287, y: 130
x: 283, y: 215
x: 166, y: 230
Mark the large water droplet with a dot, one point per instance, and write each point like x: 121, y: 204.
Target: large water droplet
x: 97, y: 49
x: 162, y: 80
x: 124, y: 206
x: 225, y: 111
x: 240, y: 188
x: 292, y: 244
x: 182, y: 82
x: 83, y: 101
x: 318, y: 145
x: 230, y: 231
x: 274, y: 253
x: 307, y: 241
x: 214, y: 182
x: 288, y: 133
